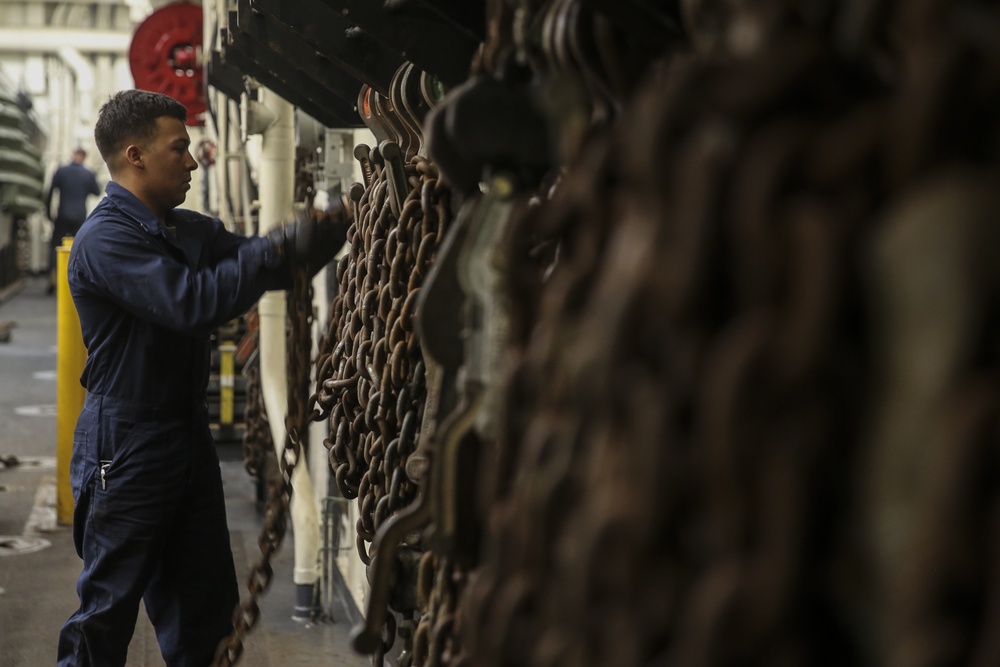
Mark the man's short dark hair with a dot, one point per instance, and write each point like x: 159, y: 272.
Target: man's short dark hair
x: 130, y: 117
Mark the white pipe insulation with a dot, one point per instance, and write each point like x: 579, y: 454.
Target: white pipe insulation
x: 48, y: 40
x: 83, y: 70
x: 277, y: 180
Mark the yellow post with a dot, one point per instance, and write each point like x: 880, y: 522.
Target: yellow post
x: 227, y: 382
x: 70, y: 394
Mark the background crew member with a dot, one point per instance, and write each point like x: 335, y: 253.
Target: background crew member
x: 75, y: 183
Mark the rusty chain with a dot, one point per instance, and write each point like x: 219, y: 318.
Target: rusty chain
x: 299, y: 363
x: 279, y: 486
x: 370, y: 378
x: 678, y: 471
x: 439, y: 587
x: 638, y: 422
x: 258, y: 445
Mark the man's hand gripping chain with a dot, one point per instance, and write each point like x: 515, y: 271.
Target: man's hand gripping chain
x: 313, y: 238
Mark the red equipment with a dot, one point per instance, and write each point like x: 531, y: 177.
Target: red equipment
x: 165, y: 56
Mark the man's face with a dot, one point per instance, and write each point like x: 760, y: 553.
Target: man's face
x: 168, y: 164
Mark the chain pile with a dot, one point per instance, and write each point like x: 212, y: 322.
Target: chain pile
x: 686, y: 467
x: 370, y: 382
x: 279, y: 486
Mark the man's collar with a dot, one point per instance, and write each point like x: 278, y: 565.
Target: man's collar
x: 131, y: 206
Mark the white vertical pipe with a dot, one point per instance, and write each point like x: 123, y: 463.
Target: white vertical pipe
x: 104, y: 72
x: 319, y: 464
x: 277, y: 180
x: 84, y: 72
x: 238, y: 171
x: 222, y: 160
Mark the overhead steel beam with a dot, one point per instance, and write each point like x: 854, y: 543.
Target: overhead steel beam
x: 224, y: 77
x: 274, y: 35
x: 416, y: 33
x: 329, y: 32
x: 288, y: 81
x: 273, y: 82
x: 469, y: 17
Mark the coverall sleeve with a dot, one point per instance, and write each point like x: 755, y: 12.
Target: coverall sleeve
x: 122, y: 264
x: 224, y: 243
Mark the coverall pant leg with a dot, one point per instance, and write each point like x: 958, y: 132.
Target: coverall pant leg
x: 193, y: 591
x: 149, y: 523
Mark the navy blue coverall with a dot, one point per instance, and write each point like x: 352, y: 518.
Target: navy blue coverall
x: 150, y: 519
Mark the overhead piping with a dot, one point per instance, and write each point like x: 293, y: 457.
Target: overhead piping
x: 50, y: 40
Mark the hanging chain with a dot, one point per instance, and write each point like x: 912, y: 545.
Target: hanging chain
x: 679, y: 473
x: 439, y: 588
x: 279, y: 487
x: 258, y: 445
x: 299, y: 349
x: 668, y: 384
x: 370, y: 382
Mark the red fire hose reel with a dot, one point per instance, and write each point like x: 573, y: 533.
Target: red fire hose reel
x: 165, y: 56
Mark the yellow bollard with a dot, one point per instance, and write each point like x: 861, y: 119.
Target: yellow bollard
x: 227, y: 383
x: 70, y: 394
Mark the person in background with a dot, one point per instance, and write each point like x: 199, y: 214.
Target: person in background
x: 75, y: 182
x: 150, y: 282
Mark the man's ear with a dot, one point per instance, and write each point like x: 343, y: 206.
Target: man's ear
x: 133, y: 155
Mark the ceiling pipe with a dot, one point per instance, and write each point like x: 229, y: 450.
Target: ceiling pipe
x: 50, y: 40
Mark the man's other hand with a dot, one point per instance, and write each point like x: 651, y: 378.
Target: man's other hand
x: 313, y: 238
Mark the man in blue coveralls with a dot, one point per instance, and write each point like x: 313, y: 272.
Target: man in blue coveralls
x: 74, y: 183
x: 150, y: 282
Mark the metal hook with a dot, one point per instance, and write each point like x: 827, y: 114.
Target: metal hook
x: 396, y: 175
x: 413, y: 132
x: 387, y: 118
x: 367, y: 112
